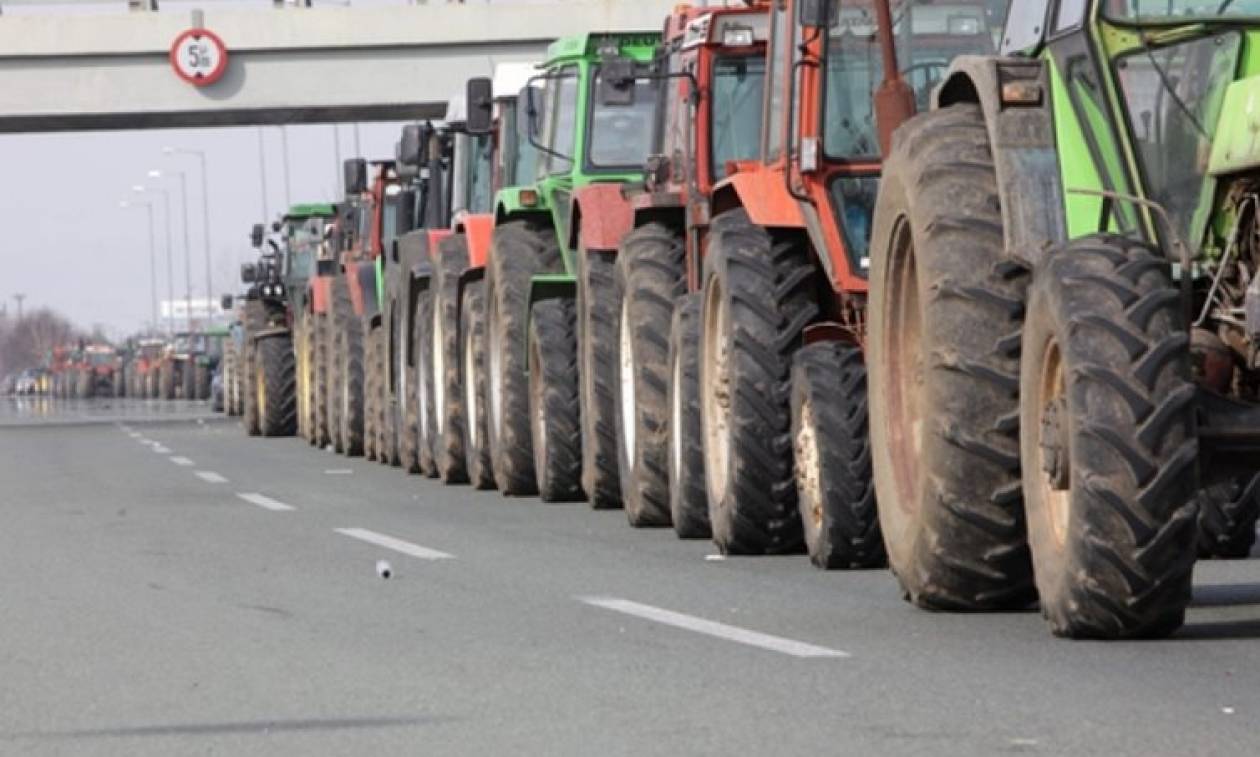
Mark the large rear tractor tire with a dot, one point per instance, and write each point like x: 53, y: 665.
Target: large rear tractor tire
x: 758, y: 297
x: 276, y: 384
x: 1227, y: 517
x: 553, y: 401
x: 946, y: 310
x: 166, y: 381
x: 201, y: 379
x: 188, y: 380
x: 372, y: 386
x: 688, y: 499
x: 348, y: 359
x: 650, y: 277
x: 831, y: 443
x: 519, y: 251
x: 1109, y: 440
x: 447, y: 389
x: 472, y: 333
x: 426, y: 460
x: 301, y: 361
x: 598, y: 314
x: 322, y: 436
x: 408, y: 428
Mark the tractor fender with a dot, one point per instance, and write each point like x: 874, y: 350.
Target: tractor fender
x: 1022, y: 139
x: 479, y: 231
x: 764, y: 195
x: 320, y: 294
x: 601, y: 217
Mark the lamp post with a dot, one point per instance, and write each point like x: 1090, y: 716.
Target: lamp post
x: 205, y: 214
x: 288, y: 188
x: 153, y: 296
x: 170, y: 245
x: 183, y: 191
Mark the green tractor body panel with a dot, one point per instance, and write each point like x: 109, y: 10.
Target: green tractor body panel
x: 1237, y: 146
x: 570, y: 73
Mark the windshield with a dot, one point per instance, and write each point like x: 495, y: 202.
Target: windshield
x: 561, y: 120
x: 480, y: 158
x: 100, y: 358
x: 928, y: 36
x: 1179, y: 11
x: 621, y: 135
x: 738, y: 85
x: 520, y: 157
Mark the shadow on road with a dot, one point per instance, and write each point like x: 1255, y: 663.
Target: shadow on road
x: 1226, y: 595
x: 230, y: 727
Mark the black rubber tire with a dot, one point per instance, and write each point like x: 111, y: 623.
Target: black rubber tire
x: 448, y: 395
x: 472, y: 334
x: 408, y: 413
x: 650, y: 276
x: 301, y: 363
x: 955, y: 537
x: 598, y: 312
x: 1227, y: 517
x: 1116, y: 560
x: 319, y: 355
x: 387, y: 446
x: 201, y: 380
x: 519, y: 250
x: 422, y: 385
x: 277, y: 377
x: 188, y: 379
x: 688, y: 500
x: 253, y: 320
x: 83, y: 388
x: 118, y: 384
x: 766, y: 289
x: 553, y: 400
x: 348, y: 358
x: 832, y: 449
x: 229, y: 379
x: 372, y: 386
x: 166, y: 381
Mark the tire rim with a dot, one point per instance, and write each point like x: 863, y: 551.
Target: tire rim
x: 1054, y: 488
x: 422, y: 392
x: 628, y: 399
x: 495, y: 360
x: 261, y: 394
x: 400, y: 368
x: 716, y: 389
x: 470, y: 389
x: 905, y: 368
x: 439, y: 369
x: 809, y: 470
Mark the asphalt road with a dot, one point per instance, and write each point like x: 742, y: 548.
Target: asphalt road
x: 169, y: 586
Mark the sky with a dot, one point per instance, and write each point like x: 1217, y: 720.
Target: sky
x: 68, y: 245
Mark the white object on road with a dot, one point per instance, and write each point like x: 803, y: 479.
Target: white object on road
x: 211, y: 477
x: 383, y: 569
x: 713, y: 628
x: 265, y: 502
x: 398, y: 545
x: 715, y: 558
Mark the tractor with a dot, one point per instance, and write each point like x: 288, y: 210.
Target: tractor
x: 184, y: 369
x: 1064, y: 318
x: 268, y: 371
x: 305, y: 229
x: 100, y: 375
x: 710, y: 120
x: 550, y: 325
x: 142, y: 370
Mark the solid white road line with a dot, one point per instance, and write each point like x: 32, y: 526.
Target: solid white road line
x: 181, y: 461
x: 339, y: 472
x: 211, y: 477
x: 161, y: 450
x: 398, y: 545
x: 713, y: 628
x: 266, y: 502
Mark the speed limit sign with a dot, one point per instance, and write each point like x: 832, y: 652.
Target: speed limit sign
x: 199, y: 57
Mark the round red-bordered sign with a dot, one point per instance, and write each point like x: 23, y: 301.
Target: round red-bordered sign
x: 199, y: 57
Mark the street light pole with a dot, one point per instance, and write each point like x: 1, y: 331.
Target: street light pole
x: 262, y: 173
x: 153, y: 295
x: 183, y: 192
x: 170, y: 245
x: 288, y: 188
x: 205, y: 216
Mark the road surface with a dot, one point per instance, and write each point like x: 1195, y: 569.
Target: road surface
x: 173, y: 587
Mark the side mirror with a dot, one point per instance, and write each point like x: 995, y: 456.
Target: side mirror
x: 406, y: 203
x: 480, y: 104
x: 616, y: 81
x: 355, y: 174
x: 818, y: 13
x: 226, y: 302
x: 276, y: 226
x: 249, y: 273
x: 530, y: 104
x: 408, y: 151
x: 256, y: 235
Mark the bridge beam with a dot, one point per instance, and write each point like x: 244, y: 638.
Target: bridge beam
x: 68, y: 72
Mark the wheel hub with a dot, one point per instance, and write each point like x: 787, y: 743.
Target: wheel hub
x: 1054, y: 444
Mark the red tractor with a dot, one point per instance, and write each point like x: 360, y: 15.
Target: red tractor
x: 143, y: 370
x: 100, y: 374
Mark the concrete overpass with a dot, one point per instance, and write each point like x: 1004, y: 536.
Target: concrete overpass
x: 296, y: 65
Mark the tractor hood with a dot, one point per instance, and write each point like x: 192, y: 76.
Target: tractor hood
x: 1237, y: 144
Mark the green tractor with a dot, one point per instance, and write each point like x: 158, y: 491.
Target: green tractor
x: 1065, y: 312
x: 551, y: 320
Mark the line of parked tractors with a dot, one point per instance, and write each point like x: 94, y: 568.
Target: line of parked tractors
x: 182, y: 367
x: 695, y: 275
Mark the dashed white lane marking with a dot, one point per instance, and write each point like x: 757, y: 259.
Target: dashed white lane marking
x: 339, y: 472
x: 161, y: 450
x: 211, y: 477
x: 398, y: 545
x: 181, y: 461
x: 713, y: 628
x: 266, y: 502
